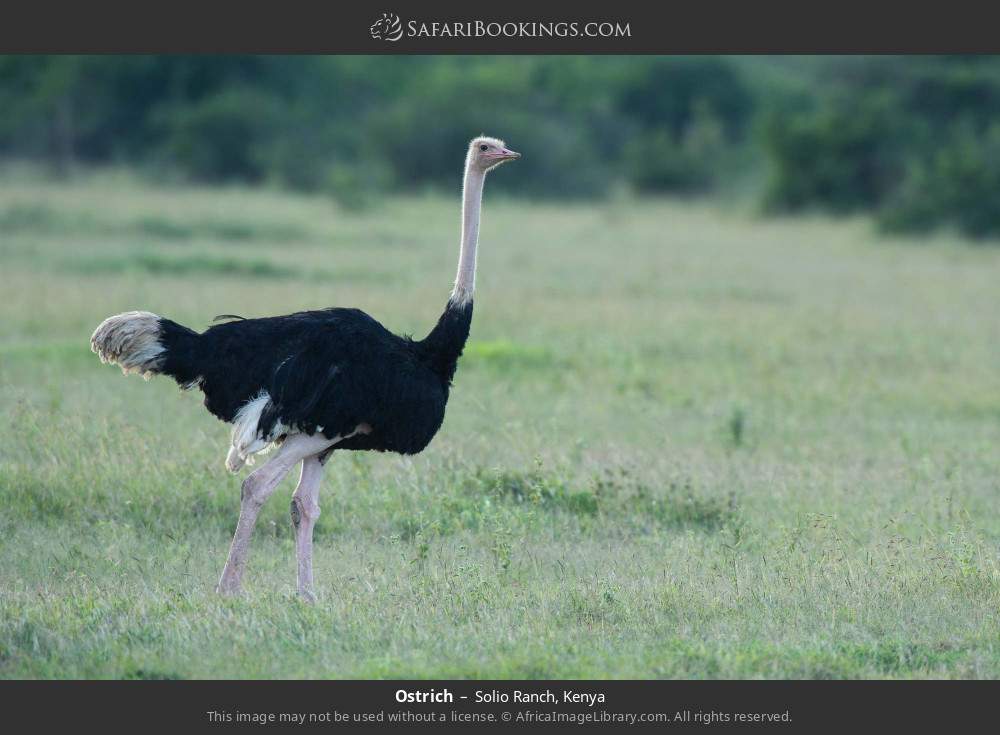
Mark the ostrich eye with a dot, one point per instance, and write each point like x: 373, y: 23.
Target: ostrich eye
x: 483, y: 147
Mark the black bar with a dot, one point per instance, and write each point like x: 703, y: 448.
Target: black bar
x: 799, y: 706
x: 709, y: 26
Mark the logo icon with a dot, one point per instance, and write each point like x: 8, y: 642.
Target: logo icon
x: 387, y: 28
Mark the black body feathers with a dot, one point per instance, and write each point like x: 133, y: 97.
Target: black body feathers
x: 326, y: 371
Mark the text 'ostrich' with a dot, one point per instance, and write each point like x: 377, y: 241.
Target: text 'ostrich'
x: 312, y: 382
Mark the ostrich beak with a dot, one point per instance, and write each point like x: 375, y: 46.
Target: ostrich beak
x: 503, y: 156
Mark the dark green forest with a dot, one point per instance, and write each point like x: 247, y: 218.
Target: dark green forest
x: 913, y: 140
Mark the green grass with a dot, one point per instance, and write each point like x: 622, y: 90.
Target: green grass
x: 683, y: 442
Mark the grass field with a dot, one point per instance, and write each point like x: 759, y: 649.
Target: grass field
x: 683, y: 442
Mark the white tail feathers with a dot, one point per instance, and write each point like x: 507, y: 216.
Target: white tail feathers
x: 247, y: 438
x: 131, y: 341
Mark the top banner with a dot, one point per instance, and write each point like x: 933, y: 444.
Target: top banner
x: 396, y: 27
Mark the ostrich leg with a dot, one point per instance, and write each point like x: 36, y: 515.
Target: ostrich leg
x: 257, y: 488
x: 305, y: 511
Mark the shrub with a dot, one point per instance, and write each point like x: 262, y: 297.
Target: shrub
x: 839, y: 154
x: 222, y: 137
x: 657, y: 161
x: 956, y: 185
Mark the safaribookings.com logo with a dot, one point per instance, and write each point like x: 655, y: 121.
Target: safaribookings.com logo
x: 387, y: 28
x: 390, y: 28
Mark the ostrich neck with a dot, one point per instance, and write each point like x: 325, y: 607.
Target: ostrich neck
x: 444, y: 345
x: 472, y: 202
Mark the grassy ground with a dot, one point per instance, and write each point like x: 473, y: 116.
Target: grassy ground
x: 682, y: 443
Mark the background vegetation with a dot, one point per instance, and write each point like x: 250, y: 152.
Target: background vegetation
x: 914, y: 139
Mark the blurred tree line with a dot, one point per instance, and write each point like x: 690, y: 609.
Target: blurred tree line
x: 914, y: 139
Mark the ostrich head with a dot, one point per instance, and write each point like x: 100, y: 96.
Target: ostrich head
x: 486, y: 153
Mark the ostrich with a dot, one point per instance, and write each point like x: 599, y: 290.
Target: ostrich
x: 311, y: 382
